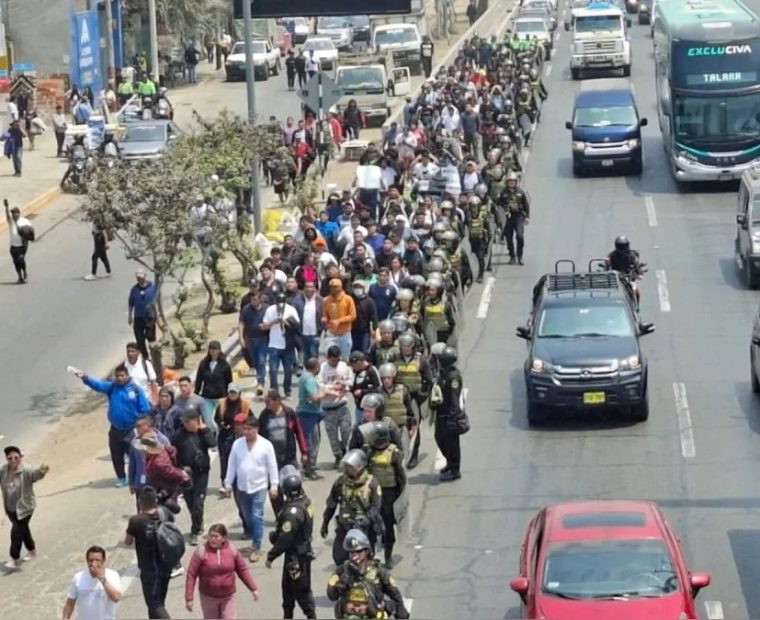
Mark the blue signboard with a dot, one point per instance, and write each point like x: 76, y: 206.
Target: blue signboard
x: 23, y: 67
x: 85, y: 52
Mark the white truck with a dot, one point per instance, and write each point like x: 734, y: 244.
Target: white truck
x: 372, y: 81
x: 401, y: 35
x: 599, y: 39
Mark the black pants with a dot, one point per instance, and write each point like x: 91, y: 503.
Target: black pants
x: 224, y: 445
x: 418, y: 402
x: 427, y: 65
x: 479, y: 246
x: 291, y: 79
x: 296, y: 587
x: 60, y: 137
x: 448, y: 443
x: 100, y: 252
x: 301, y: 78
x: 18, y: 254
x: 119, y: 443
x: 390, y: 494
x: 155, y: 585
x: 20, y: 535
x: 515, y: 228
x: 145, y: 331
x: 195, y: 499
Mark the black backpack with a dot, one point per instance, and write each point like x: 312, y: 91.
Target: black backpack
x: 26, y: 233
x: 170, y: 542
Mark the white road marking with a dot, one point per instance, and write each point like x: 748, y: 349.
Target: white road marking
x: 714, y: 610
x: 662, y: 290
x: 526, y: 155
x: 548, y: 70
x: 688, y: 448
x: 418, y: 547
x: 485, y: 298
x: 651, y: 212
x: 128, y: 577
x: 408, y: 602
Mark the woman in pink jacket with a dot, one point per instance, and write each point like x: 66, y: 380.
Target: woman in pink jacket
x: 215, y: 565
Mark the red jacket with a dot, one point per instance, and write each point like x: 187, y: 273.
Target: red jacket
x: 215, y: 569
x: 161, y: 471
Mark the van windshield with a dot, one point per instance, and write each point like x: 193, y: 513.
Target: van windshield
x: 604, y: 117
x: 361, y: 78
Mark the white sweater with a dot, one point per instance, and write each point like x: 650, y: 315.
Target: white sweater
x: 252, y: 470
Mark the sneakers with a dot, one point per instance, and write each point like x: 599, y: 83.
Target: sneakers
x: 259, y: 389
x: 520, y: 261
x: 90, y: 277
x: 193, y: 540
x: 177, y: 571
x: 120, y: 483
x: 12, y: 565
x: 255, y: 556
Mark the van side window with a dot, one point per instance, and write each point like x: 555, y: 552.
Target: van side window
x: 743, y: 199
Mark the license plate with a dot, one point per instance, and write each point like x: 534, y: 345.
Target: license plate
x: 593, y: 398
x: 607, y: 163
x: 725, y: 177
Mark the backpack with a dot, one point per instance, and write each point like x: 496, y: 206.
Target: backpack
x: 26, y: 233
x: 170, y: 543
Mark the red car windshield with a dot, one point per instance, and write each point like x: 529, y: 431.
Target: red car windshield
x: 609, y: 569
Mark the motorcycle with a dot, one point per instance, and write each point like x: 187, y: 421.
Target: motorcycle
x: 76, y: 175
x: 630, y: 278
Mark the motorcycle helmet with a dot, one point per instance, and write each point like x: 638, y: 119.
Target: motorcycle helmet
x: 622, y: 244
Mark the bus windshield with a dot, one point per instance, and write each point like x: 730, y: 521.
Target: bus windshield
x: 718, y: 118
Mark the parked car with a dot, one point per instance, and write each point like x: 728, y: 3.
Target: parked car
x: 266, y: 61
x: 606, y: 560
x: 339, y: 29
x: 747, y: 243
x: 324, y: 50
x: 360, y: 24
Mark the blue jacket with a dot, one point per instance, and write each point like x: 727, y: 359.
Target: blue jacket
x: 329, y: 230
x: 126, y: 402
x: 136, y: 469
x: 299, y: 301
x: 141, y: 301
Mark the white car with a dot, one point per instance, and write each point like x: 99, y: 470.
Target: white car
x: 266, y: 60
x: 324, y: 51
x: 339, y: 29
x: 300, y: 29
x: 534, y: 27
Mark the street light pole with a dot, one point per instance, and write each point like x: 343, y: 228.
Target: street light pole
x: 251, y: 94
x: 153, y: 38
x: 110, y: 55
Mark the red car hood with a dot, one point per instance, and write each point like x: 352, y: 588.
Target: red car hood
x: 664, y: 608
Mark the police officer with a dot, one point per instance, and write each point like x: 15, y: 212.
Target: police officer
x: 373, y: 408
x: 386, y: 464
x: 437, y: 313
x: 292, y: 537
x: 366, y: 380
x: 459, y: 262
x: 398, y: 403
x: 359, y: 497
x: 447, y: 409
x: 479, y: 234
x: 516, y: 205
x: 361, y: 587
x: 414, y: 373
x: 385, y: 350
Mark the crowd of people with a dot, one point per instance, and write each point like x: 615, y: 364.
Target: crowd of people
x: 351, y: 326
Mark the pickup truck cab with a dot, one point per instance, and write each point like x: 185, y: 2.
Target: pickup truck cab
x: 401, y: 40
x: 266, y: 61
x: 606, y: 131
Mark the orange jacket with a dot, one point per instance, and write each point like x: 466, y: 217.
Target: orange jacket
x: 341, y: 309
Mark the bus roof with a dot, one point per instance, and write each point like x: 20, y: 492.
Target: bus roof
x: 708, y: 19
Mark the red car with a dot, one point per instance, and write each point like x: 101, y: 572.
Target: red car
x: 616, y: 560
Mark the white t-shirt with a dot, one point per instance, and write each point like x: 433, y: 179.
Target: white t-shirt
x: 92, y: 601
x: 425, y: 171
x: 310, y: 327
x: 369, y: 177
x: 138, y: 374
x: 16, y: 240
x: 312, y: 64
x: 347, y: 234
x: 252, y: 470
x: 331, y: 376
x: 276, y: 337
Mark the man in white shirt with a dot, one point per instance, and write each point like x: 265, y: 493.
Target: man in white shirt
x: 312, y: 64
x: 309, y: 307
x: 450, y: 118
x: 141, y: 370
x: 252, y: 467
x: 94, y: 592
x: 335, y: 377
x: 18, y: 229
x: 425, y: 168
x: 281, y: 321
x: 346, y: 235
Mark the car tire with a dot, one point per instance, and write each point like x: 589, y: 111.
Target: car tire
x: 627, y: 71
x: 577, y: 170
x: 753, y: 374
x: 276, y: 70
x: 265, y: 73
x: 637, y: 166
x: 575, y: 73
x: 536, y: 414
x: 751, y: 279
x: 640, y: 412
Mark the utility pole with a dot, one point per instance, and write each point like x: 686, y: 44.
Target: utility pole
x: 251, y: 93
x: 110, y: 55
x: 153, y: 38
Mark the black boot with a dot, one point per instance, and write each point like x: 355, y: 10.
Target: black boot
x: 450, y: 476
x: 413, y: 461
x: 389, y: 557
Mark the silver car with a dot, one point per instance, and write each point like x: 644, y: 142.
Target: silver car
x: 147, y: 139
x: 339, y: 29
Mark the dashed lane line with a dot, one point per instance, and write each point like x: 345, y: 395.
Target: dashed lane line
x: 685, y: 430
x: 651, y: 211
x: 485, y: 298
x: 714, y: 610
x: 662, y: 290
x: 548, y: 70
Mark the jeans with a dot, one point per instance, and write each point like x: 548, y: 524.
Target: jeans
x: 310, y: 346
x: 287, y: 357
x: 195, y: 498
x: 224, y: 444
x: 20, y: 535
x: 257, y: 349
x: 191, y: 74
x: 208, y: 410
x: 344, y: 343
x: 18, y: 152
x: 360, y: 341
x: 119, y: 443
x: 310, y: 424
x: 252, y: 507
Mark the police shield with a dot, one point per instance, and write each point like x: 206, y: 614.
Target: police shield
x: 401, y: 506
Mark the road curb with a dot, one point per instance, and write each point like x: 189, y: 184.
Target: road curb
x: 37, y: 204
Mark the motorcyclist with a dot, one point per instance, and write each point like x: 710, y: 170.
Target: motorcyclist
x: 108, y: 147
x: 623, y: 259
x: 77, y: 162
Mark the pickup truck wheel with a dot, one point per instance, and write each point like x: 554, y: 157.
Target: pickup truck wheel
x: 753, y: 374
x: 276, y: 70
x: 536, y: 414
x: 265, y: 73
x: 640, y: 412
x: 626, y: 70
x: 750, y: 277
x: 575, y: 73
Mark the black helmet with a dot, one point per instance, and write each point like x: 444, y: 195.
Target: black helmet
x: 622, y: 244
x: 280, y: 298
x: 290, y: 481
x: 356, y: 540
x: 381, y: 435
x: 448, y: 357
x: 356, y: 356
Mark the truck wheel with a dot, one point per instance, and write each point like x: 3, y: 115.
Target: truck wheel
x: 265, y: 74
x: 575, y: 73
x: 640, y: 412
x: 626, y: 70
x: 536, y: 414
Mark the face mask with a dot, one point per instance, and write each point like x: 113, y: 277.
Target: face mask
x: 358, y: 292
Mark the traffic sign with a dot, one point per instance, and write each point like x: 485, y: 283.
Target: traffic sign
x: 23, y: 67
x: 320, y: 93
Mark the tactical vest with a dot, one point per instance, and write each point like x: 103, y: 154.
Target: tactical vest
x: 409, y: 373
x: 381, y: 466
x: 394, y: 405
x: 435, y: 313
x: 354, y: 501
x: 301, y: 538
x: 478, y: 225
x: 386, y: 353
x: 360, y: 600
x: 455, y: 260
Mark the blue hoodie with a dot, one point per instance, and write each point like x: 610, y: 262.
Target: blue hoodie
x: 126, y: 402
x: 136, y: 471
